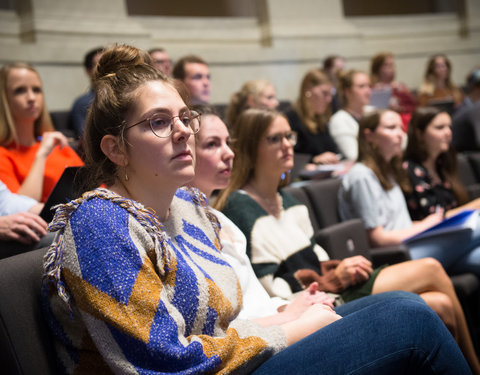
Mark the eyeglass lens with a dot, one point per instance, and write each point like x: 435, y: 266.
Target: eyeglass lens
x: 162, y: 124
x: 291, y: 137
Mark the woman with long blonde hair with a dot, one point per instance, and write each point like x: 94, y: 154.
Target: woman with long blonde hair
x: 256, y: 93
x: 309, y: 117
x: 32, y: 154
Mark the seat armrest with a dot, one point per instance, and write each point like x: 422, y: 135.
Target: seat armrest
x: 349, y: 238
x: 389, y: 255
x: 473, y: 191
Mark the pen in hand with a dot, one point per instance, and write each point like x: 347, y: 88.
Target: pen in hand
x: 441, y: 210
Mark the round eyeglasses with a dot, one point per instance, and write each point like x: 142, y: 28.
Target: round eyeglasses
x: 276, y: 139
x: 162, y: 124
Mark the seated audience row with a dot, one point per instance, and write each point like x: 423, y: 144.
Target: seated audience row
x: 193, y: 71
x: 353, y: 276
x: 372, y: 189
x: 166, y: 240
x: 279, y: 236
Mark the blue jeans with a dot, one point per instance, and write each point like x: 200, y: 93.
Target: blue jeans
x: 358, y: 304
x: 457, y: 252
x: 383, y: 334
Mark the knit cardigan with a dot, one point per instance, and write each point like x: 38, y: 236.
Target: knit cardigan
x: 279, y: 247
x: 125, y: 293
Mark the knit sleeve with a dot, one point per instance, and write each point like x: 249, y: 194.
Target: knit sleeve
x: 144, y: 313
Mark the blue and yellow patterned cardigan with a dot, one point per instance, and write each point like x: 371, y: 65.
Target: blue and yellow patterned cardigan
x: 124, y: 293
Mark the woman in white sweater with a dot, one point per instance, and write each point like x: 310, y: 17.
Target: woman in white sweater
x: 355, y: 91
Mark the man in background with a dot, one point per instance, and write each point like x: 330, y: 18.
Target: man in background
x: 78, y: 113
x: 466, y: 119
x: 193, y: 71
x: 161, y: 60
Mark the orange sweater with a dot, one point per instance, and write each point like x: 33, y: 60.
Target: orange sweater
x: 16, y: 161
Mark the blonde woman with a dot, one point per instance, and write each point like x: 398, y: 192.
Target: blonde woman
x: 257, y: 93
x: 309, y: 117
x: 32, y: 155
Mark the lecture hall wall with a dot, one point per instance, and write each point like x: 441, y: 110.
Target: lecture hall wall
x: 273, y: 39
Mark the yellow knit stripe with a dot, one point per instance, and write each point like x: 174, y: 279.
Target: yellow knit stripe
x: 219, y: 303
x: 232, y: 349
x: 134, y: 318
x: 171, y: 275
x: 217, y: 244
x: 239, y: 294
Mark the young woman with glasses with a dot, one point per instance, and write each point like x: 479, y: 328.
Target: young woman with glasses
x: 135, y: 281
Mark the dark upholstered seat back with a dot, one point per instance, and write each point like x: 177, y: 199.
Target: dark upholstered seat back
x: 299, y: 162
x: 300, y: 195
x: 465, y: 171
x: 26, y: 346
x: 323, y: 196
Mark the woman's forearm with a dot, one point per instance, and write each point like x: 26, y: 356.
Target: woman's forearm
x: 315, y: 318
x: 472, y: 205
x: 380, y: 237
x: 275, y: 320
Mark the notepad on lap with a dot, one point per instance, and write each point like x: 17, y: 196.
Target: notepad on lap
x: 463, y: 221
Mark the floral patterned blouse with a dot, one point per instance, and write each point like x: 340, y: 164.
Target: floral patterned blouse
x: 425, y: 197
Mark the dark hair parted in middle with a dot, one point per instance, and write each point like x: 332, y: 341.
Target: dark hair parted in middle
x: 446, y: 162
x: 369, y: 154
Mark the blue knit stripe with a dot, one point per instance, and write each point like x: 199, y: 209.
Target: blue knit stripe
x: 105, y: 240
x: 186, y: 293
x: 187, y: 247
x: 184, y: 194
x: 209, y: 326
x: 164, y: 350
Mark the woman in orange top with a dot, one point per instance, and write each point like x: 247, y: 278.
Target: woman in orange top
x: 32, y: 155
